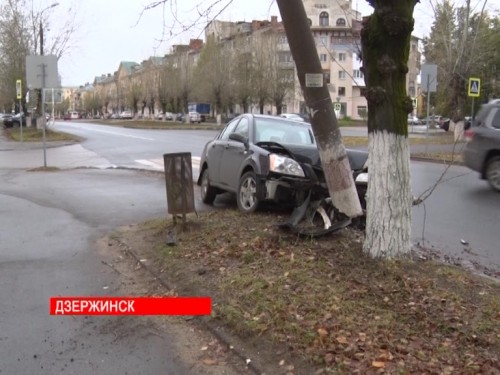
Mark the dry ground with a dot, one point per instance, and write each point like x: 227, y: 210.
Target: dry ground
x: 320, y: 306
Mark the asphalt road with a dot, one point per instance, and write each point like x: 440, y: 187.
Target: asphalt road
x: 50, y: 225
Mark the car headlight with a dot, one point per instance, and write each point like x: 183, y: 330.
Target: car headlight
x: 362, y: 177
x: 284, y: 165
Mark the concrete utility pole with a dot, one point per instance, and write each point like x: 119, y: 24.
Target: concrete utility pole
x: 338, y: 173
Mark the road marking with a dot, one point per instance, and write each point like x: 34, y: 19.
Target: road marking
x: 123, y: 135
x: 111, y: 132
x: 158, y: 163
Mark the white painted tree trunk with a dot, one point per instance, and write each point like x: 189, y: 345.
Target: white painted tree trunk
x: 458, y: 130
x: 389, y: 196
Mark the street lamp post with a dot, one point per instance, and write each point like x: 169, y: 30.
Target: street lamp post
x: 44, y: 119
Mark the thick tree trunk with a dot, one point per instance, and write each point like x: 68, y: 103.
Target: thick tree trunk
x: 385, y: 41
x: 338, y: 173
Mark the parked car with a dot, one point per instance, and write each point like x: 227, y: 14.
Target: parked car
x: 6, y: 119
x: 482, y: 149
x: 413, y: 120
x: 291, y: 116
x: 166, y: 116
x: 14, y: 120
x: 179, y: 117
x: 126, y: 115
x: 194, y: 117
x: 264, y: 158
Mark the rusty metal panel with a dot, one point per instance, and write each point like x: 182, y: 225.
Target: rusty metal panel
x: 179, y: 183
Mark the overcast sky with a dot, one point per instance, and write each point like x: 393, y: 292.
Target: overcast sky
x: 110, y: 31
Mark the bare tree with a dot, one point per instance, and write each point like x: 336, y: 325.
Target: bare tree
x: 15, y: 44
x: 134, y: 95
x: 261, y: 71
x: 281, y: 74
x: 242, y: 74
x: 211, y: 74
x: 457, y: 46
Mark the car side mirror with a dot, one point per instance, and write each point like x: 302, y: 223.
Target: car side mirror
x: 238, y: 138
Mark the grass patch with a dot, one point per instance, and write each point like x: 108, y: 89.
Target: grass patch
x: 327, y: 302
x: 44, y: 169
x: 445, y: 157
x: 437, y: 139
x: 158, y: 124
x: 32, y: 134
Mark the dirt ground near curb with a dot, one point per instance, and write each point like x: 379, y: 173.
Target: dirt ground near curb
x: 200, y: 350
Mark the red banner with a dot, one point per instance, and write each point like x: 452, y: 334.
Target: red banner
x: 130, y: 306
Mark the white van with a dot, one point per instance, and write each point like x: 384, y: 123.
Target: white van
x: 74, y: 115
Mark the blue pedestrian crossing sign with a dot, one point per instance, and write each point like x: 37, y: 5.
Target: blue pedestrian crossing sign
x: 474, y: 87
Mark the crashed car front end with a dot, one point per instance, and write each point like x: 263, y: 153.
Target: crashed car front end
x: 289, y: 180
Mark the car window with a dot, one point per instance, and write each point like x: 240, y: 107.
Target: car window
x: 224, y: 135
x: 481, y: 116
x: 495, y: 118
x: 286, y: 132
x: 242, y: 127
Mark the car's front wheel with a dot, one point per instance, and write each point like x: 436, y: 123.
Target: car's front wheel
x: 247, y: 197
x: 208, y: 192
x: 492, y: 172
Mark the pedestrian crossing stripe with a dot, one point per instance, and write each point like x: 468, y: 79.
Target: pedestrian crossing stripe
x: 157, y: 164
x: 474, y: 87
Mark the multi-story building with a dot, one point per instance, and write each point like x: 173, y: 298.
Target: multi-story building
x: 336, y: 29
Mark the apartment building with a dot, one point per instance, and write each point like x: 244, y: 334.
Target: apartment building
x: 336, y: 29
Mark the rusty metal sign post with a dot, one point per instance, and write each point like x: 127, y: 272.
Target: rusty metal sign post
x: 179, y: 184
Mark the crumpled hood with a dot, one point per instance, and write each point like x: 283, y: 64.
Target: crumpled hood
x: 310, y: 155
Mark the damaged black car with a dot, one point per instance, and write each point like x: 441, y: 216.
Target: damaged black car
x: 264, y: 158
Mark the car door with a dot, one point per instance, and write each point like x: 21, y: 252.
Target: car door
x: 215, y: 151
x: 234, y: 155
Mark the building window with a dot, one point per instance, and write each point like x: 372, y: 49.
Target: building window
x: 358, y: 74
x: 341, y: 22
x: 341, y: 91
x: 323, y: 57
x: 327, y: 77
x: 342, y: 56
x: 323, y: 19
x: 342, y: 75
x: 362, y: 111
x: 323, y: 40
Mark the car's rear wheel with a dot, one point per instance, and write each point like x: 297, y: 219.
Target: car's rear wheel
x: 208, y: 192
x: 492, y: 172
x: 247, y: 197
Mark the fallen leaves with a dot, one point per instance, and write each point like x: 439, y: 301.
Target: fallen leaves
x: 324, y: 301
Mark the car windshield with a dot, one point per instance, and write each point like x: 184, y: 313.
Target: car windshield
x: 285, y: 132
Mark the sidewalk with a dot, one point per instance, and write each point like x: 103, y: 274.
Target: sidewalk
x: 60, y: 154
